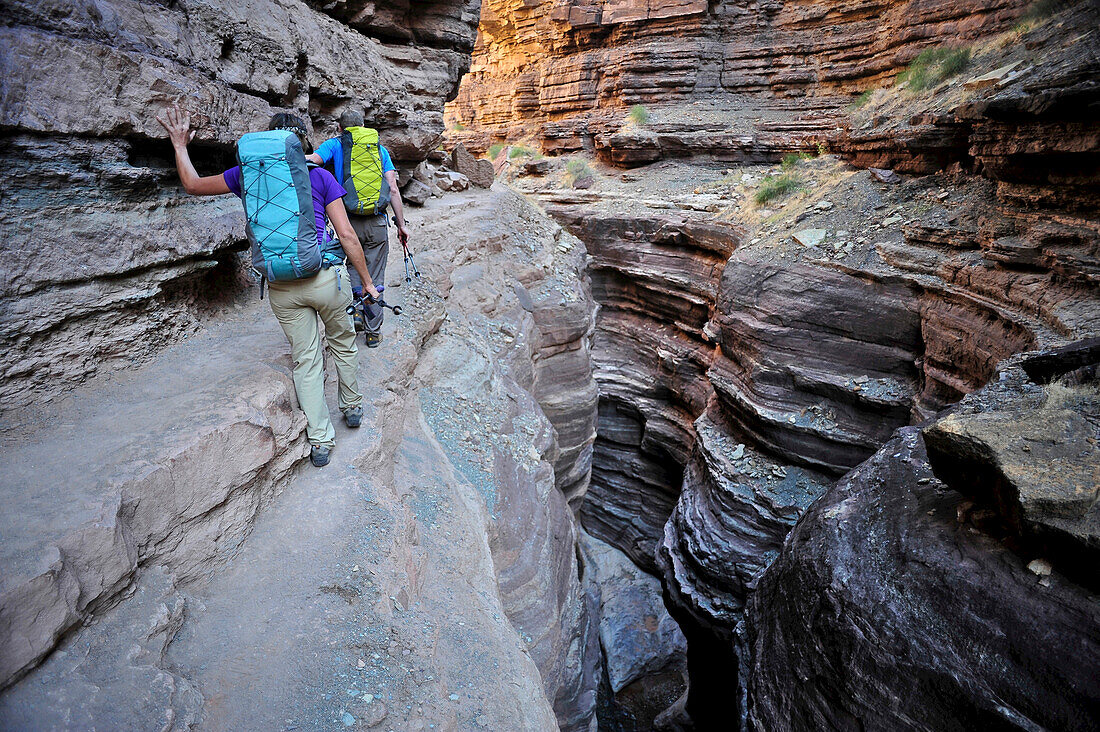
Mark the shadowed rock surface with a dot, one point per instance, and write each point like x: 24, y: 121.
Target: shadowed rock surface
x: 431, y: 568
x: 111, y: 262
x: 643, y: 649
x: 895, y: 589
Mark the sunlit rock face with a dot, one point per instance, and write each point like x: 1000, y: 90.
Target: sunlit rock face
x: 740, y: 81
x: 108, y: 260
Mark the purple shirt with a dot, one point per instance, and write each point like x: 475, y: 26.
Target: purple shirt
x: 325, y: 191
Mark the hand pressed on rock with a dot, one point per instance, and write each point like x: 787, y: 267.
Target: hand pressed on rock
x: 178, y: 124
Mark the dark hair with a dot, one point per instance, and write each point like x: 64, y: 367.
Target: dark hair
x: 351, y: 118
x: 287, y: 121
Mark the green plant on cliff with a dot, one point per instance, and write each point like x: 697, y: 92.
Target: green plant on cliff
x: 775, y: 186
x: 790, y: 160
x: 862, y: 99
x: 638, y: 114
x: 494, y: 150
x: 577, y: 169
x: 1037, y: 12
x: 934, y: 65
x: 457, y: 126
x: 521, y: 151
x: 1043, y: 9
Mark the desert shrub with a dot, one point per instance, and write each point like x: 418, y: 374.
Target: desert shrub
x: 494, y: 150
x: 576, y: 166
x: 933, y: 65
x: 639, y: 115
x: 458, y: 126
x: 790, y: 160
x: 578, y: 169
x: 520, y: 151
x: 953, y: 64
x: 775, y: 186
x: 862, y: 99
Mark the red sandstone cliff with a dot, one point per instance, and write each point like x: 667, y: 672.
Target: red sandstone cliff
x: 713, y: 75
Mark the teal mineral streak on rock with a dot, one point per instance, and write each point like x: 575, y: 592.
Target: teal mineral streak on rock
x: 472, y: 459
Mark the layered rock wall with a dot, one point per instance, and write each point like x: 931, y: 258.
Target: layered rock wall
x: 108, y: 260
x: 656, y: 279
x: 434, y: 552
x: 814, y: 354
x: 740, y: 81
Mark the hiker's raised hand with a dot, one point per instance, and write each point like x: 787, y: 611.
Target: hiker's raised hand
x: 178, y: 124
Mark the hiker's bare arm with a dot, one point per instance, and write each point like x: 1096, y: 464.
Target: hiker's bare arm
x: 350, y: 242
x: 178, y: 125
x: 315, y: 159
x: 398, y: 206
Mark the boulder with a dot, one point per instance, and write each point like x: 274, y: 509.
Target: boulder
x: 1036, y: 469
x: 448, y: 180
x: 810, y: 237
x: 416, y: 193
x: 638, y: 636
x: 895, y: 589
x: 541, y: 166
x: 645, y: 653
x: 424, y: 172
x: 884, y: 176
x: 479, y: 171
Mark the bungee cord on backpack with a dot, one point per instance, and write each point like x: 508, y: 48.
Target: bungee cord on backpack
x: 366, y: 174
x: 263, y: 190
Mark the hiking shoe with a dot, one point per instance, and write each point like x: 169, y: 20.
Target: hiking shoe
x: 319, y: 455
x: 373, y: 339
x: 353, y: 416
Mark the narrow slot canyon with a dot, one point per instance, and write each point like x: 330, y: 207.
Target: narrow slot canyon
x: 745, y: 379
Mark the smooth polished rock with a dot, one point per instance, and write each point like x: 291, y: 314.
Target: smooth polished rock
x: 895, y: 588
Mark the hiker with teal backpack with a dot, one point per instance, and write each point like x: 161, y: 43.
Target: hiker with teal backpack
x: 363, y: 166
x: 285, y: 203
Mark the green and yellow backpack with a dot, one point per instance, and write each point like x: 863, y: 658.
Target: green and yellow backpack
x: 367, y: 191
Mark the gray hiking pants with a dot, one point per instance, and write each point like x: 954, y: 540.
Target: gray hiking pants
x: 374, y: 235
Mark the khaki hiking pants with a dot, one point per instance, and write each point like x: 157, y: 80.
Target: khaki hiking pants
x: 374, y: 235
x: 296, y: 305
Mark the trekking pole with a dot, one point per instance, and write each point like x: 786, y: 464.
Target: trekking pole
x: 408, y: 257
x: 368, y: 300
x: 408, y: 261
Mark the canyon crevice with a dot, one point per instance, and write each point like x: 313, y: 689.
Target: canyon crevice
x: 749, y: 355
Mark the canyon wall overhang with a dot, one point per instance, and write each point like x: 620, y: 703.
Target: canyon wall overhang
x: 103, y: 251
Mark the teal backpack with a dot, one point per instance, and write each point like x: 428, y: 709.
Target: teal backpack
x: 278, y: 207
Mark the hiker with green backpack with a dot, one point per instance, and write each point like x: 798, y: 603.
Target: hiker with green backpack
x: 363, y: 166
x: 285, y: 203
